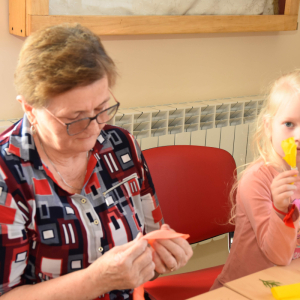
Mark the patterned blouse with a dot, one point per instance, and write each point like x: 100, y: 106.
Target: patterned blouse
x: 46, y: 232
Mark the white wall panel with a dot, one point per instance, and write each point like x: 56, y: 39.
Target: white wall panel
x: 166, y: 140
x: 198, y: 138
x: 240, y: 144
x: 150, y: 142
x: 183, y: 138
x: 250, y: 156
x: 213, y: 137
x: 227, y: 138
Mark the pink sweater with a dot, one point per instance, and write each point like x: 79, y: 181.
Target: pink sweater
x: 261, y: 239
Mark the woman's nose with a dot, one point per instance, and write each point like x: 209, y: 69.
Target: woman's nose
x: 95, y: 127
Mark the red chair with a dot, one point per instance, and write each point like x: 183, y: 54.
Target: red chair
x: 192, y: 184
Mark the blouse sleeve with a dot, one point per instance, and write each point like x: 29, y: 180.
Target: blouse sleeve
x: 151, y: 209
x: 14, y: 242
x: 276, y: 240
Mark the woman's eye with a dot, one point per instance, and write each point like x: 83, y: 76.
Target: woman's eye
x: 100, y: 109
x: 288, y: 124
x: 72, y: 119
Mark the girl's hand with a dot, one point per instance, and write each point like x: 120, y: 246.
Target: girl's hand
x: 282, y: 189
x: 123, y: 267
x: 170, y: 255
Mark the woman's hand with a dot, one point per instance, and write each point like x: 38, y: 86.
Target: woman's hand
x: 282, y: 189
x: 170, y: 255
x: 123, y: 267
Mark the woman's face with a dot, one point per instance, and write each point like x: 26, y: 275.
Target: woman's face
x: 73, y: 105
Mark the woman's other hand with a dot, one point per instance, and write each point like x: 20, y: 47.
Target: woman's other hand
x: 170, y: 255
x: 123, y: 267
x: 282, y: 189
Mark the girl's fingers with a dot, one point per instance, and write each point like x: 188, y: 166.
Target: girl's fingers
x: 286, y: 195
x: 288, y: 173
x: 284, y: 188
x: 285, y: 180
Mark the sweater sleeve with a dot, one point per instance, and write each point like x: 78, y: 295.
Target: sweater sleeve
x: 276, y: 240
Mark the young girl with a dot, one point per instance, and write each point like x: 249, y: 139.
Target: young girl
x: 266, y: 210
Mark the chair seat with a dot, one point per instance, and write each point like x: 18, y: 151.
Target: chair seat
x: 183, y: 286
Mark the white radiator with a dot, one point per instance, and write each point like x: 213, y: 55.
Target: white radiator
x: 220, y: 123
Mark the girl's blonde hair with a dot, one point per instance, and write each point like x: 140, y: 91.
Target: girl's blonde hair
x: 282, y: 91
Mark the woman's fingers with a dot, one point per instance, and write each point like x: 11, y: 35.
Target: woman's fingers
x: 141, y: 261
x: 169, y: 249
x: 147, y: 273
x: 165, y: 255
x: 170, y: 255
x: 127, y: 266
x: 166, y: 227
x: 159, y: 265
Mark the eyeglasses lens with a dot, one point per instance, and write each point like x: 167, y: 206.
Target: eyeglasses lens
x: 103, y: 117
x: 107, y: 115
x: 78, y: 126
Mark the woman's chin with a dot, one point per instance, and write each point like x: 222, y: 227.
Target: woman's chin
x: 86, y: 143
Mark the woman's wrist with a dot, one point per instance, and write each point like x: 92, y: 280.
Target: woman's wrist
x: 96, y: 284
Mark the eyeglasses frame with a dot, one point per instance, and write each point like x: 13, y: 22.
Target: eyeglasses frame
x: 91, y: 118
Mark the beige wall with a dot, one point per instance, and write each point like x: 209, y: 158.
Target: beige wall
x: 9, y: 49
x: 162, y: 69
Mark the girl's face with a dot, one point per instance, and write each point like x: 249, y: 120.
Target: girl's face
x: 285, y: 124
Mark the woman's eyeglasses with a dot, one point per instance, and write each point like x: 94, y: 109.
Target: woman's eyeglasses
x: 79, y: 126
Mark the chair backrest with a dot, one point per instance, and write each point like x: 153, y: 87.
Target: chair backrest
x: 192, y: 184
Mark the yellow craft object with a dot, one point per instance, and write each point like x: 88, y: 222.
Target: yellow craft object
x: 286, y: 292
x: 290, y: 150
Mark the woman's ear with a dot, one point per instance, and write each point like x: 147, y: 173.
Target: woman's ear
x: 28, y: 109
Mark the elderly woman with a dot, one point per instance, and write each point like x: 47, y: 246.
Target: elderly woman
x: 76, y: 195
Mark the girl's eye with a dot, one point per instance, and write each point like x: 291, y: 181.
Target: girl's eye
x: 288, y: 124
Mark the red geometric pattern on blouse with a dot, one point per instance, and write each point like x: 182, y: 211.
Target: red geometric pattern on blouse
x: 43, y: 226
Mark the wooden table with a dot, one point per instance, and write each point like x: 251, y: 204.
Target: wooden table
x: 251, y: 287
x: 222, y: 293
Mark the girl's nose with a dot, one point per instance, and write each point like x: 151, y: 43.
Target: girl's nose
x: 297, y: 133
